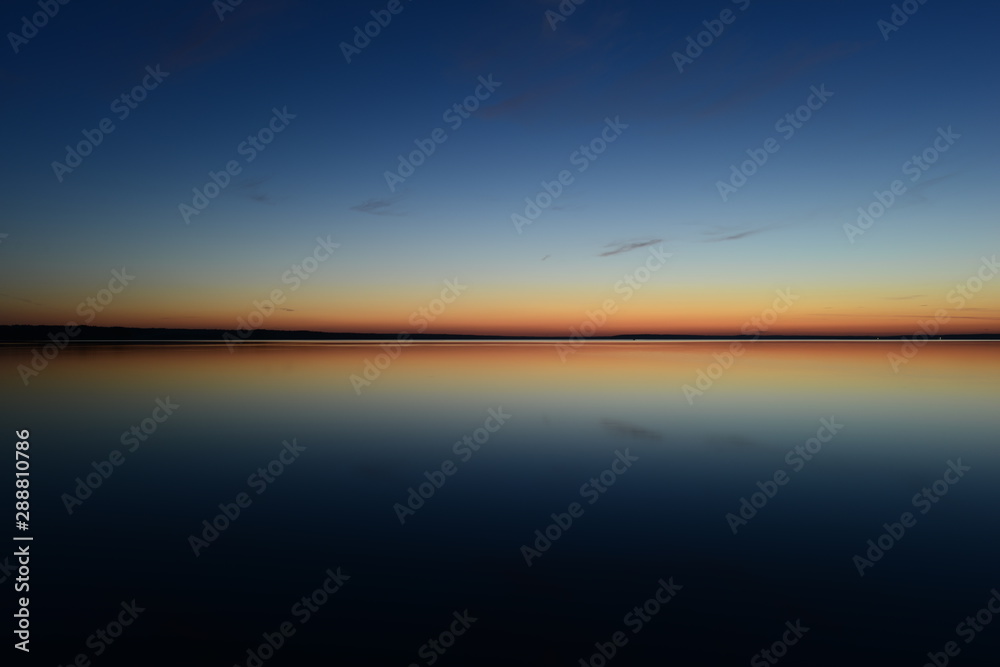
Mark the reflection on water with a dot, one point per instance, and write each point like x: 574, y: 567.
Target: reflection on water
x: 425, y: 478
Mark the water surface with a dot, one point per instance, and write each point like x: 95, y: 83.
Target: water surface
x: 692, y: 458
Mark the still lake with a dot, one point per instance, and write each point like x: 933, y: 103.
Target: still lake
x: 747, y: 508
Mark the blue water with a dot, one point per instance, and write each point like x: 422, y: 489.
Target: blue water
x: 673, y: 469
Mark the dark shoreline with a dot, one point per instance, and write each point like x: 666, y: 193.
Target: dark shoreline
x: 130, y: 335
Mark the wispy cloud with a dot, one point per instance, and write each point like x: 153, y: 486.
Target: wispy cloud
x: 377, y: 206
x: 17, y: 298
x: 618, y: 248
x: 534, y: 99
x: 203, y: 38
x: 251, y: 190
x: 915, y: 194
x: 717, y: 236
x: 912, y: 316
x: 760, y: 78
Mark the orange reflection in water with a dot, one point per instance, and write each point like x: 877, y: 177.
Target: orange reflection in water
x: 774, y: 391
x: 968, y: 369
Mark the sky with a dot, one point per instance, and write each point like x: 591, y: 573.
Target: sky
x: 517, y: 167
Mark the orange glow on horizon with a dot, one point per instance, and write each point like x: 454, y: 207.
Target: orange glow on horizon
x: 548, y: 311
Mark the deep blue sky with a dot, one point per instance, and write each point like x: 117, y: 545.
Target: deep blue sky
x: 657, y: 184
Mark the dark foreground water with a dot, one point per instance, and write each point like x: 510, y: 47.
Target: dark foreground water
x: 420, y: 535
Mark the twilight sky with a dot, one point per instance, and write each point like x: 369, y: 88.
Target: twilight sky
x: 636, y: 142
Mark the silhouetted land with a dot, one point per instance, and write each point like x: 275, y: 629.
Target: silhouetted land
x: 90, y: 334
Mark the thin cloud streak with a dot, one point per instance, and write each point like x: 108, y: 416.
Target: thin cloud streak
x: 377, y: 206
x: 625, y: 247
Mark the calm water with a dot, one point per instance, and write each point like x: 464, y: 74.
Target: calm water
x: 338, y: 500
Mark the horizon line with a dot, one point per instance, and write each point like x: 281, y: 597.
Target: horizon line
x: 302, y: 335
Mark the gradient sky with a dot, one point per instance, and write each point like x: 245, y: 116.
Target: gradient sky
x: 655, y: 186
